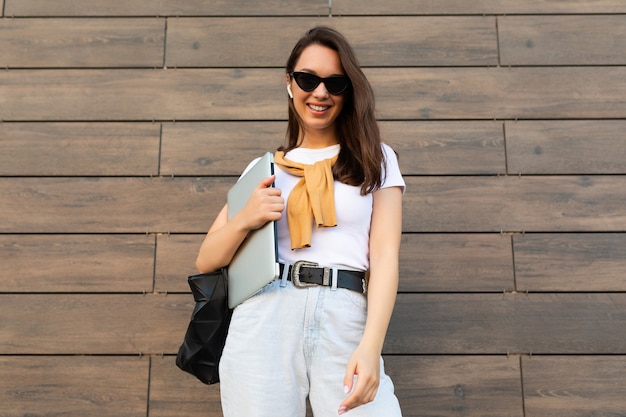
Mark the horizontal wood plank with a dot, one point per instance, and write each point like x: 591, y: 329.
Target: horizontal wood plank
x: 97, y: 324
x: 507, y: 323
x: 566, y: 147
x: 259, y: 94
x: 76, y: 263
x: 174, y: 393
x: 515, y: 204
x: 425, y: 148
x: 428, y: 263
x: 163, y: 8
x: 132, y: 95
x: 111, y: 205
x: 562, y: 40
x: 389, y: 41
x: 85, y: 149
x: 577, y: 386
x: 422, y: 323
x: 499, y: 93
x: 456, y: 263
x: 426, y: 7
x: 447, y: 148
x: 483, y: 386
x: 175, y: 261
x: 217, y: 148
x: 70, y: 43
x: 570, y: 262
x: 431, y: 204
x: 73, y: 386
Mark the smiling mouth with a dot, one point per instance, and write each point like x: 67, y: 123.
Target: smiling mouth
x: 318, y: 108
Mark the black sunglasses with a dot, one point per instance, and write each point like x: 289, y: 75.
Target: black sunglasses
x: 335, y: 85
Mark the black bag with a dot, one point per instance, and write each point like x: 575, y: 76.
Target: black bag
x: 204, y: 341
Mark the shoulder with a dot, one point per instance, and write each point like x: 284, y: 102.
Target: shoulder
x: 392, y: 177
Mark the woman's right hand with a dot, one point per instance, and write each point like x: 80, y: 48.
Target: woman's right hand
x: 264, y: 205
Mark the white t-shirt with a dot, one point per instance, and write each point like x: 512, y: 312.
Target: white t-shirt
x: 346, y: 245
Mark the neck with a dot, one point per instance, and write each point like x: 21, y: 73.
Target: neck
x: 317, y: 140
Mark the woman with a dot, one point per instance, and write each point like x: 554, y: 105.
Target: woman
x: 295, y: 339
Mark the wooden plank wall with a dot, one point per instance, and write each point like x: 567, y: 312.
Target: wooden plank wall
x: 122, y: 124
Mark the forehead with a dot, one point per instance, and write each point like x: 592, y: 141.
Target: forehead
x: 320, y: 60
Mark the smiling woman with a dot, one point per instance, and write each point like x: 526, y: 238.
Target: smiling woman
x: 318, y: 331
x: 317, y: 108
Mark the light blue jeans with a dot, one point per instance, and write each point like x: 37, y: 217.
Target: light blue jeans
x: 287, y: 343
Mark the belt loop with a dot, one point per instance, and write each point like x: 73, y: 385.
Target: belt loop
x: 285, y: 275
x: 334, y: 278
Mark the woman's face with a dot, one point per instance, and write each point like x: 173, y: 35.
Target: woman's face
x: 317, y: 109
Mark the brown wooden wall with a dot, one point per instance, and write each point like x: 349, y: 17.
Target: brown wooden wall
x: 123, y: 123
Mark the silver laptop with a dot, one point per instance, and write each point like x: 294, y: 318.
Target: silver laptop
x: 256, y: 262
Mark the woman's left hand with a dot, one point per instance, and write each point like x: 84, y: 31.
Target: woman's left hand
x: 365, y: 364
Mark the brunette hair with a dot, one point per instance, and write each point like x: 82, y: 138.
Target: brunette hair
x: 361, y: 158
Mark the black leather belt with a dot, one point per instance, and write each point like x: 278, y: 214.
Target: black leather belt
x: 307, y: 274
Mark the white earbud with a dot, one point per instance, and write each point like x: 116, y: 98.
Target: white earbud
x: 289, y: 91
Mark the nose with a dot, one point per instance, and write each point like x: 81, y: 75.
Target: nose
x: 320, y: 90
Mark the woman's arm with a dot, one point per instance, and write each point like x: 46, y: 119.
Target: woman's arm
x: 384, y: 246
x: 224, y: 237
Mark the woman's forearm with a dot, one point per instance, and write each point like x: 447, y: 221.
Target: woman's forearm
x: 220, y: 243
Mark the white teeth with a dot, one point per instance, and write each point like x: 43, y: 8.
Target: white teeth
x: 318, y: 108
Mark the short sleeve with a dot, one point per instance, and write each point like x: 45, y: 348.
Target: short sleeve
x: 392, y: 177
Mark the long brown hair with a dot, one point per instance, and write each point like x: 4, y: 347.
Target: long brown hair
x: 361, y: 158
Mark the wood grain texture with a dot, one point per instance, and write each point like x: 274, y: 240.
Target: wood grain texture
x: 175, y: 261
x: 73, y: 386
x: 258, y: 94
x: 507, y: 323
x: 516, y: 204
x: 111, y: 205
x: 499, y: 93
x: 431, y: 204
x: 562, y: 40
x: 425, y: 148
x: 456, y: 263
x: 174, y: 392
x: 79, y: 149
x: 93, y: 324
x: 217, y: 148
x: 566, y: 147
x: 134, y: 95
x: 428, y: 263
x: 422, y: 324
x: 451, y: 386
x: 76, y: 263
x: 447, y: 148
x: 426, y: 7
x: 35, y: 43
x: 390, y: 41
x: 164, y: 8
x: 576, y: 386
x: 571, y: 262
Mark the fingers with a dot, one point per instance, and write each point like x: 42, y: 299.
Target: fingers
x: 264, y: 205
x: 362, y: 369
x: 267, y: 182
x: 364, y: 392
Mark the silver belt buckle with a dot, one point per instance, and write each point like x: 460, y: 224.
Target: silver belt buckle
x: 295, y: 273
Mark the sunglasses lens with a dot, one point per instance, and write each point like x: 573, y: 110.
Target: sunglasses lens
x: 336, y: 85
x: 309, y: 82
